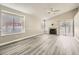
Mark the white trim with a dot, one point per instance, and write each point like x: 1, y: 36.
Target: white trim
x: 5, y: 11
x: 12, y: 33
x: 18, y: 39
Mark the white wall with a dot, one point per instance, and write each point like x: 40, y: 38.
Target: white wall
x: 76, y: 24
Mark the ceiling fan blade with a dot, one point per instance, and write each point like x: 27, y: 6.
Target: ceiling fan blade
x: 49, y: 12
x: 56, y: 10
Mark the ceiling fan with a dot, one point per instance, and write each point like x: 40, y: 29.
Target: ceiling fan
x: 52, y: 10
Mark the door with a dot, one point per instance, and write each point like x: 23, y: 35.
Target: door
x: 66, y: 28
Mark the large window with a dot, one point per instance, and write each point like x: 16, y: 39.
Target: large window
x: 11, y: 23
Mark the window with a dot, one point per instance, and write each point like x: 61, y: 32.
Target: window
x: 11, y: 23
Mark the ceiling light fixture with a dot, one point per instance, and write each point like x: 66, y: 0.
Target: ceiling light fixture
x: 52, y: 10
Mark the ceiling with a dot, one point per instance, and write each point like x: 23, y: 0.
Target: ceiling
x: 41, y: 9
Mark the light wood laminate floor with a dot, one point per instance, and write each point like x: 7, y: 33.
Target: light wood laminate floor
x: 43, y: 45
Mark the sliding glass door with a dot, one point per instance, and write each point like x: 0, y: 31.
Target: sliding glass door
x: 66, y: 28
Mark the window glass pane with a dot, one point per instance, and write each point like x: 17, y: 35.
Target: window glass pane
x: 7, y: 23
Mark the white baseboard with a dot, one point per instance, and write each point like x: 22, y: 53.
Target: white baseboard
x: 2, y: 44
